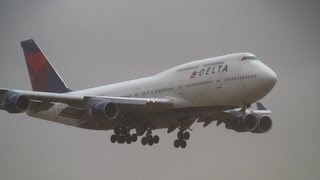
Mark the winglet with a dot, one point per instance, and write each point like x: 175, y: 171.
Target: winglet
x: 42, y: 75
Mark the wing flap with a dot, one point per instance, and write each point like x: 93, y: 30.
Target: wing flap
x: 37, y: 106
x: 71, y: 112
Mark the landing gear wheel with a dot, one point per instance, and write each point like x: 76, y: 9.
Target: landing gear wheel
x: 186, y: 135
x: 183, y: 144
x: 121, y: 139
x: 116, y: 130
x: 150, y: 141
x: 180, y: 135
x: 113, y: 138
x: 123, y: 130
x: 156, y: 139
x: 128, y: 139
x: 134, y: 137
x: 144, y: 141
x: 176, y: 143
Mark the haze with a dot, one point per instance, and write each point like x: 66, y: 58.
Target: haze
x: 98, y: 42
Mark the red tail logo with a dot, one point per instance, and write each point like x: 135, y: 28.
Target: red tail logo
x: 42, y: 75
x: 193, y: 75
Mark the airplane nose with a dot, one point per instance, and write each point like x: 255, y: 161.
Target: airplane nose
x: 269, y: 78
x: 272, y: 77
x: 265, y: 81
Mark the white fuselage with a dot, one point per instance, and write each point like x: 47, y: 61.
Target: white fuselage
x: 220, y: 81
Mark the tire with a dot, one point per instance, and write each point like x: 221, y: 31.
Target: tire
x: 186, y: 135
x: 180, y: 135
x: 150, y: 142
x: 113, y: 138
x: 123, y: 130
x: 127, y: 136
x: 156, y: 139
x: 116, y: 130
x: 176, y: 143
x: 128, y: 140
x: 144, y: 141
x: 134, y: 137
x: 121, y: 139
x: 183, y: 144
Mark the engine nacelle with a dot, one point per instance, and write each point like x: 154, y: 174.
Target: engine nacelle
x: 242, y: 122
x: 104, y: 110
x: 264, y: 124
x: 16, y: 103
x: 253, y: 122
x: 235, y: 122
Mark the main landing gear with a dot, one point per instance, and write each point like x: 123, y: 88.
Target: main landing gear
x: 149, y: 139
x: 122, y: 135
x: 181, y: 141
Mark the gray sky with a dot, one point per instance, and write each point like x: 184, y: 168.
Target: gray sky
x: 98, y: 42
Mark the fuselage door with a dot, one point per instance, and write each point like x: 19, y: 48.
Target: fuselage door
x: 178, y: 89
x: 221, y: 70
x: 219, y: 82
x: 137, y: 92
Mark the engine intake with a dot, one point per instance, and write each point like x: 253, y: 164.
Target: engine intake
x: 16, y: 103
x: 104, y: 110
x: 264, y: 125
x: 251, y: 122
x: 235, y: 124
x: 239, y: 123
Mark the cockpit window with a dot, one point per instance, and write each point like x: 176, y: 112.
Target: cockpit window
x: 245, y: 58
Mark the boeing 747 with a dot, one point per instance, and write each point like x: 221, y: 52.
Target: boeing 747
x: 220, y: 89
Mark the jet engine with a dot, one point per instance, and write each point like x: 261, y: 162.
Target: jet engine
x: 241, y: 123
x: 16, y: 103
x: 264, y: 124
x: 253, y: 122
x: 104, y: 110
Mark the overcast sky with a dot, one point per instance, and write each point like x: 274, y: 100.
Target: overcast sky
x: 99, y: 42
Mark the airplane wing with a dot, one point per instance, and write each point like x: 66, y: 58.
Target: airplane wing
x: 83, y: 102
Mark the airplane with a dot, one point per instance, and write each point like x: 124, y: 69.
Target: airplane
x: 220, y: 89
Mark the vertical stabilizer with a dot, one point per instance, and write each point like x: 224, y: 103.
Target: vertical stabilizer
x: 42, y: 75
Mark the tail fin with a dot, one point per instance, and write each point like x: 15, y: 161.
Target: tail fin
x: 42, y: 75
